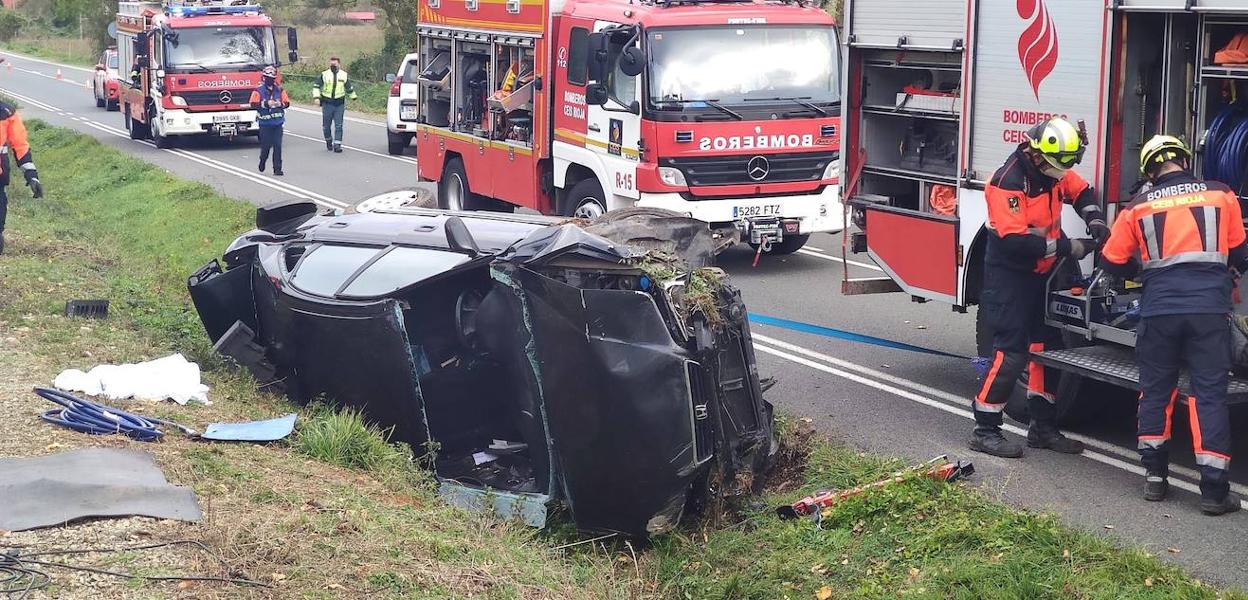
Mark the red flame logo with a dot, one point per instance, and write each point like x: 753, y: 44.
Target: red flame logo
x: 1037, y: 47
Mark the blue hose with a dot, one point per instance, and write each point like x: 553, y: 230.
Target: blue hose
x: 97, y: 419
x: 1226, y: 148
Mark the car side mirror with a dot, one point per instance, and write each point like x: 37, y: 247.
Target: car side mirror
x: 141, y: 61
x: 596, y: 94
x: 292, y: 57
x: 632, y: 61
x: 292, y: 39
x: 390, y: 77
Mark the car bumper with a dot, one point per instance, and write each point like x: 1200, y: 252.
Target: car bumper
x: 181, y: 122
x: 815, y: 213
x: 393, y: 123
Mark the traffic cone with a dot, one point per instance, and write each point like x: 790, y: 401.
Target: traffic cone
x: 58, y: 74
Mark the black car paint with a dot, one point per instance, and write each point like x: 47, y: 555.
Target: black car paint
x: 631, y: 412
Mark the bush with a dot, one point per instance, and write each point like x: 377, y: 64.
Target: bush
x: 11, y: 24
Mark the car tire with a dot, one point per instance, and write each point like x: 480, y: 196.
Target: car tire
x: 789, y: 245
x: 100, y: 102
x: 396, y: 143
x: 584, y: 201
x: 163, y: 142
x: 113, y: 106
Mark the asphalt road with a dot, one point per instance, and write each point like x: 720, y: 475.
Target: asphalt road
x: 895, y: 402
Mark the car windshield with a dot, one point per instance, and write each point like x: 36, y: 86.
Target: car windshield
x: 738, y: 64
x: 219, y: 47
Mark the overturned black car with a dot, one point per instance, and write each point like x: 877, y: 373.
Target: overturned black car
x: 537, y: 360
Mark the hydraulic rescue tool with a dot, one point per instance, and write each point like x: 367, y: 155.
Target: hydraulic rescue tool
x: 937, y: 469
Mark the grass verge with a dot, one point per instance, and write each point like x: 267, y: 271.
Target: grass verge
x: 337, y: 512
x: 69, y: 50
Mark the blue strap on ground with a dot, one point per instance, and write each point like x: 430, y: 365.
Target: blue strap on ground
x: 845, y: 335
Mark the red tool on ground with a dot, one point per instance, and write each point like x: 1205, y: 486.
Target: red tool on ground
x: 938, y: 469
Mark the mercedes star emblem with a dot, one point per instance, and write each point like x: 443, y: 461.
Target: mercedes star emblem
x: 758, y: 168
x: 226, y: 97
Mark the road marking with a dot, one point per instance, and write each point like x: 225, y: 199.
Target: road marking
x: 813, y: 249
x: 954, y: 404
x: 351, y: 119
x: 46, y: 62
x: 53, y: 78
x: 405, y: 159
x: 839, y: 260
x: 281, y: 186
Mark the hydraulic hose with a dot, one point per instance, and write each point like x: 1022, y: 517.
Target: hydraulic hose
x: 1226, y: 148
x: 97, y: 419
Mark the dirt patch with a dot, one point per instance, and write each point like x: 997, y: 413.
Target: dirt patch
x: 788, y: 472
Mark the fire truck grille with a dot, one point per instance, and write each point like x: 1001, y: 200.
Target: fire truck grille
x: 752, y: 168
x: 213, y: 97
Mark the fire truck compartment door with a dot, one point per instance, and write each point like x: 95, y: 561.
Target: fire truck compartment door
x: 1182, y: 5
x: 919, y: 251
x: 930, y: 24
x: 1035, y: 59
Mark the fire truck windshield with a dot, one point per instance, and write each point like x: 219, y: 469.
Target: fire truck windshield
x: 217, y: 48
x: 739, y: 64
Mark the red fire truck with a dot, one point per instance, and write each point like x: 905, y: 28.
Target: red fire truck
x: 724, y: 110
x: 940, y: 92
x: 188, y: 67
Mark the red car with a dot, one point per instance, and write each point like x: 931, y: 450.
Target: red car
x: 104, y: 85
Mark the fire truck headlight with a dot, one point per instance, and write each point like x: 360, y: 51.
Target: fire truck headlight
x: 177, y: 100
x: 833, y: 169
x: 671, y: 176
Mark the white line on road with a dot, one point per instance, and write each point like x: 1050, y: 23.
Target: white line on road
x: 839, y: 259
x: 953, y: 404
x: 405, y: 159
x: 55, y: 78
x: 46, y: 62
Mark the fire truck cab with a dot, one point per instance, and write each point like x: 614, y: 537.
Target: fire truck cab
x: 727, y: 111
x: 958, y: 82
x: 188, y: 66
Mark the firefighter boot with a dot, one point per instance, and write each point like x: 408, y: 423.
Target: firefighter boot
x: 1228, y: 504
x: 1155, y: 487
x: 1043, y: 432
x: 988, y: 439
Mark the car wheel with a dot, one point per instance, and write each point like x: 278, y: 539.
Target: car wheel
x: 99, y: 100
x: 584, y: 201
x: 162, y: 141
x: 396, y: 142
x: 113, y: 106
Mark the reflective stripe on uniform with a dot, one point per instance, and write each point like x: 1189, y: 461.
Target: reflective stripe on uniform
x: 1152, y: 441
x: 1050, y: 248
x: 1151, y: 241
x: 1186, y: 257
x: 1211, y: 459
x: 30, y: 166
x: 990, y: 408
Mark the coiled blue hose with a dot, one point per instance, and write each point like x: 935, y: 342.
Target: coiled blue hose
x: 1226, y: 149
x: 97, y: 419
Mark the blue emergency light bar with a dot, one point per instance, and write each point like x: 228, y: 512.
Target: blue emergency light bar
x: 204, y: 11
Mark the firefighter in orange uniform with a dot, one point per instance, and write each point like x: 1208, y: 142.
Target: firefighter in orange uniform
x: 1179, y: 236
x: 13, y: 142
x: 1025, y: 200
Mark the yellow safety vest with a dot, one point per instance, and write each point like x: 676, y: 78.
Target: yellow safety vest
x: 333, y: 86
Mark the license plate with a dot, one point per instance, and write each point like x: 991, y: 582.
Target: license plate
x: 226, y: 118
x: 758, y: 210
x: 408, y: 113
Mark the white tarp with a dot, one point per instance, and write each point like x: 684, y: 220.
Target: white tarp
x: 171, y: 377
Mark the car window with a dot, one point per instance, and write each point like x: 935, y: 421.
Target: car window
x: 400, y: 268
x: 112, y: 60
x: 578, y: 56
x: 324, y: 269
x: 410, y: 72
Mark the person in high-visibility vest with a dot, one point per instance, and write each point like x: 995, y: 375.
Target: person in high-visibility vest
x: 13, y: 142
x: 330, y: 92
x: 270, y: 102
x: 1179, y: 237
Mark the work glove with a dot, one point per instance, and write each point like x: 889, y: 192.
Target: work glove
x: 1098, y: 230
x: 32, y: 180
x: 1081, y: 247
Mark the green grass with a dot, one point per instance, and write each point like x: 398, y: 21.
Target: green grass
x: 69, y: 50
x: 372, y: 96
x: 115, y: 227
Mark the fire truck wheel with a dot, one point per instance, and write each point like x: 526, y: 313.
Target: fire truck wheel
x: 453, y: 190
x: 138, y: 131
x: 585, y: 200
